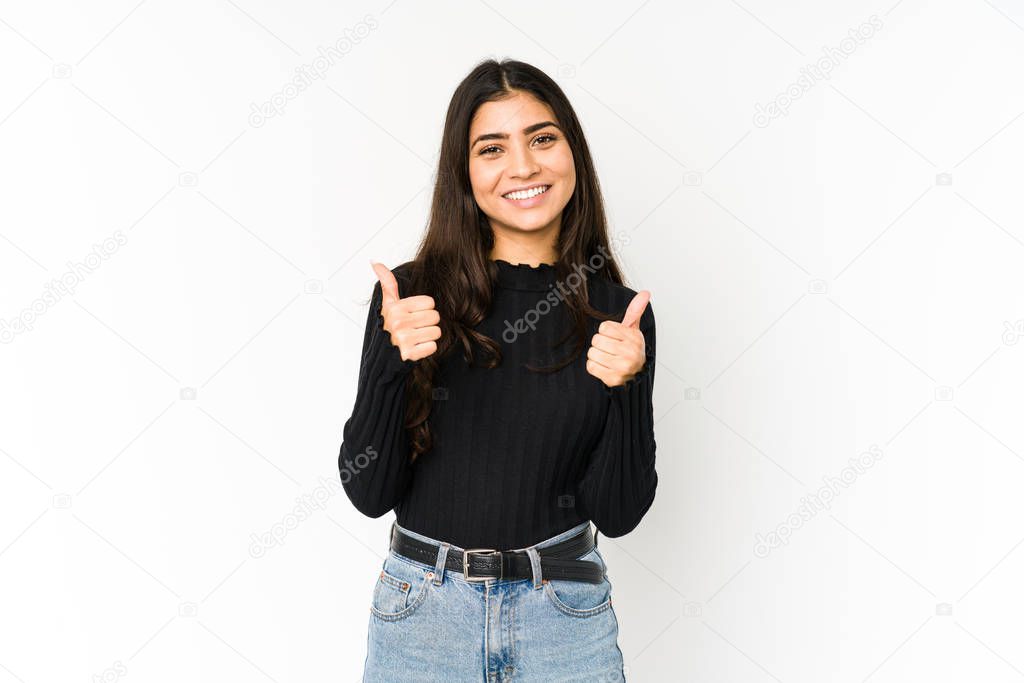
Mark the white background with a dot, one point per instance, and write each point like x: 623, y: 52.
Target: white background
x: 821, y: 289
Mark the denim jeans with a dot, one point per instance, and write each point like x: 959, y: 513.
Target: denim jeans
x: 428, y: 623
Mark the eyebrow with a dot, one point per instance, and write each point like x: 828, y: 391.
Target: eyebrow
x: 504, y: 136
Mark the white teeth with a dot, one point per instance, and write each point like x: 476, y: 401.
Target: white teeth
x: 527, y: 193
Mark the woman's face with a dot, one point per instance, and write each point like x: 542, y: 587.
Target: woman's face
x: 515, y: 143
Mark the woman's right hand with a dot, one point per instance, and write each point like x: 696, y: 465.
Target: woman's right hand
x: 412, y: 322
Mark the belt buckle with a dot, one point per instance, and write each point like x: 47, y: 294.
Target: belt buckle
x: 479, y: 551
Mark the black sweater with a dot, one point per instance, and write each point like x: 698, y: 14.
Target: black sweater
x: 517, y: 456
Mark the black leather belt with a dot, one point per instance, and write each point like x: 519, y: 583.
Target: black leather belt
x: 558, y: 561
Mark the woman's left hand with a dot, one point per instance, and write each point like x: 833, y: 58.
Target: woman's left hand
x: 618, y: 351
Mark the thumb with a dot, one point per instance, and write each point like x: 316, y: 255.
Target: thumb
x: 636, y: 309
x: 388, y: 283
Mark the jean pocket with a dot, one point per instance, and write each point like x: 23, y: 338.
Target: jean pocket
x: 581, y: 598
x: 400, y: 590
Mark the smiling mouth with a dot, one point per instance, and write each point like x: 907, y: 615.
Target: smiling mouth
x: 527, y: 194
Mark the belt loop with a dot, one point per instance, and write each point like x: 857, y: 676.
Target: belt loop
x: 538, y: 578
x: 442, y: 560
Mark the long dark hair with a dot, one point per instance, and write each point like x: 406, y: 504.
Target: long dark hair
x: 452, y: 263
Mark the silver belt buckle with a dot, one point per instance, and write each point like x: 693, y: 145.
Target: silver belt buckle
x: 479, y: 551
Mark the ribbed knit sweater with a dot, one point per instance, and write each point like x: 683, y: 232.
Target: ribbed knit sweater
x: 517, y: 456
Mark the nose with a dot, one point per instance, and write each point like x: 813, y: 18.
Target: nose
x: 522, y: 164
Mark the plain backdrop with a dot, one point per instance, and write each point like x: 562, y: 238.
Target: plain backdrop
x: 823, y: 199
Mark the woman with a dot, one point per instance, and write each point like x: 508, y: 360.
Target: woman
x: 481, y: 422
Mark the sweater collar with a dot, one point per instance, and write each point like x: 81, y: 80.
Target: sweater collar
x: 524, y: 276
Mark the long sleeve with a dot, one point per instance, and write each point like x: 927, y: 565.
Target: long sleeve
x: 374, y: 458
x: 619, y: 483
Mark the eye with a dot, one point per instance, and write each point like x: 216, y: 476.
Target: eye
x: 547, y: 137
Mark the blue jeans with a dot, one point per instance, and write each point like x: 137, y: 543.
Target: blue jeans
x: 428, y: 623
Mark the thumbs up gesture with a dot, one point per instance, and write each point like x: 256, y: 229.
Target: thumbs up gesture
x: 412, y: 322
x: 618, y: 350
